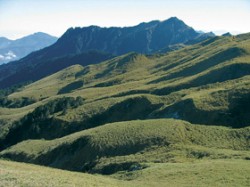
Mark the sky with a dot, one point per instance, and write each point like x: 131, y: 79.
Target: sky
x: 23, y: 17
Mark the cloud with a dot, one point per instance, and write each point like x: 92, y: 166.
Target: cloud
x: 10, y: 54
x: 7, y: 57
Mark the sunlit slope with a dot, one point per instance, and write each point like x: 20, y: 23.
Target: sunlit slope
x: 188, y: 67
x: 20, y: 174
x: 207, y: 83
x: 205, y: 173
x: 161, y: 140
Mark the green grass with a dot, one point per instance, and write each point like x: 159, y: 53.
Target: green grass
x: 193, y: 72
x: 140, y: 141
x: 204, y: 173
x: 126, y: 118
x: 20, y: 174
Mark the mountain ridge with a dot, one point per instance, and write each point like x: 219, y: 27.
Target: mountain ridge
x: 146, y: 38
x: 11, y: 50
x: 149, y: 30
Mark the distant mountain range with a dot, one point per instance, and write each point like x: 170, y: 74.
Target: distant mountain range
x: 15, y: 49
x: 100, y: 44
x: 144, y: 38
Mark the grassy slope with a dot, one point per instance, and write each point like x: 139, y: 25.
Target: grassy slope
x: 209, y: 79
x: 19, y: 174
x: 207, y: 83
x: 206, y: 75
x: 134, y: 141
x: 206, y: 173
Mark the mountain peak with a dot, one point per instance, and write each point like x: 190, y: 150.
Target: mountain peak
x: 11, y: 50
x: 173, y: 20
x: 145, y: 38
x: 39, y: 35
x: 227, y: 34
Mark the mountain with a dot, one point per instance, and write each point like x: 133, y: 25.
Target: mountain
x: 4, y: 42
x: 15, y: 49
x: 146, y: 38
x: 227, y: 34
x: 140, y: 118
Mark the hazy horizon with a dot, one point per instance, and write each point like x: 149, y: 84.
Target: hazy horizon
x: 23, y: 17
